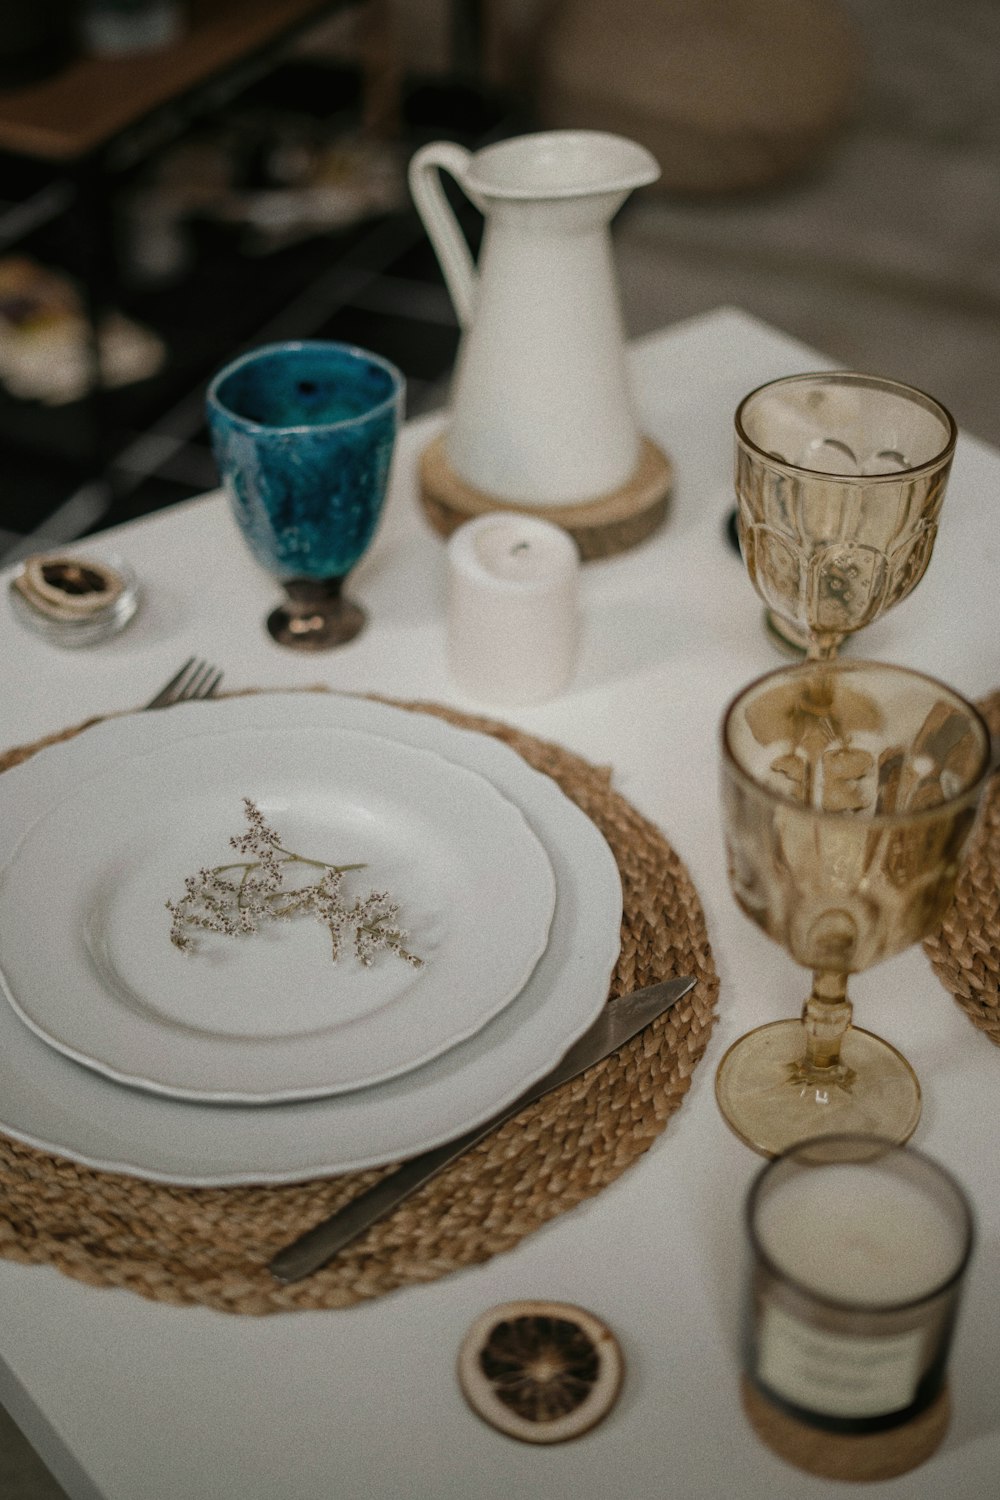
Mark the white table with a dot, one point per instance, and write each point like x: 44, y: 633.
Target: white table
x: 132, y: 1400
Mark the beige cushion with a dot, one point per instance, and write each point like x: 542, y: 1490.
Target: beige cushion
x: 727, y: 94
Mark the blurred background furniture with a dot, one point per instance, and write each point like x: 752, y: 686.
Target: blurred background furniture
x: 867, y: 221
x: 163, y: 206
x: 729, y: 95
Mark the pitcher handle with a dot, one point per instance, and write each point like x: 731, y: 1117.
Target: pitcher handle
x: 450, y: 244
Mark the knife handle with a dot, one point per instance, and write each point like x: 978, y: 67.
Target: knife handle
x: 618, y: 1023
x: 311, y: 1251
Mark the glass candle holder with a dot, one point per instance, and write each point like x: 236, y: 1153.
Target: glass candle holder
x: 859, y: 1249
x: 75, y: 598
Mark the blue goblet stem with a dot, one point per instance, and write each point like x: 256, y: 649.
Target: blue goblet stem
x: 315, y: 615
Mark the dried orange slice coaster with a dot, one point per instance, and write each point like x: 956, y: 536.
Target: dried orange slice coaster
x: 542, y: 1372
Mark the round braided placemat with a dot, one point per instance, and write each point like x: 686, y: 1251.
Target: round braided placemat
x: 965, y: 951
x: 212, y: 1246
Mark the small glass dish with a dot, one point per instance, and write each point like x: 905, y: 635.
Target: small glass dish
x: 77, y: 598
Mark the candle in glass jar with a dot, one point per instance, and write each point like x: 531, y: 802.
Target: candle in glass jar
x: 859, y: 1250
x: 512, y: 608
x: 855, y: 1234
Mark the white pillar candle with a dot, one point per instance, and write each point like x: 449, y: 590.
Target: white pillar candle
x: 513, y: 584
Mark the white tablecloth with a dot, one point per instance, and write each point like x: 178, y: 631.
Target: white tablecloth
x: 131, y: 1400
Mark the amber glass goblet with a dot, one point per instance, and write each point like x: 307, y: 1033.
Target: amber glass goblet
x: 840, y: 479
x: 848, y: 792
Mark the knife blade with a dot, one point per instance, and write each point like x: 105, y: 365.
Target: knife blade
x: 618, y: 1022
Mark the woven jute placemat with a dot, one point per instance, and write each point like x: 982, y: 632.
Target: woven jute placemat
x: 212, y: 1246
x: 965, y: 951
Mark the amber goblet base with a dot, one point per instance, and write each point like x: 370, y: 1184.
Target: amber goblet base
x: 772, y: 1097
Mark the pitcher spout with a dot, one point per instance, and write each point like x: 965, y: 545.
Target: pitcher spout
x: 560, y: 164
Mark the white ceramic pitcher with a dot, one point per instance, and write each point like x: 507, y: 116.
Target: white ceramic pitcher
x: 542, y: 411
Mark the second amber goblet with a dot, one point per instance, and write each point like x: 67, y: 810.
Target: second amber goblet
x: 840, y: 478
x: 848, y: 791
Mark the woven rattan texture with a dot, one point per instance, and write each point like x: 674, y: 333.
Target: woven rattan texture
x: 965, y: 952
x: 212, y: 1246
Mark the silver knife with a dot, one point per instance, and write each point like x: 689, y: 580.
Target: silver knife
x: 619, y: 1021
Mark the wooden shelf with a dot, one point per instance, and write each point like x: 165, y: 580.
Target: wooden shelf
x: 76, y: 112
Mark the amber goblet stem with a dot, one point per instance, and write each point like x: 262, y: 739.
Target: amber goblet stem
x: 818, y: 696
x: 823, y: 647
x: 826, y: 1017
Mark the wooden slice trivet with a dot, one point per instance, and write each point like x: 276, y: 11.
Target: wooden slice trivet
x: 603, y: 527
x: 212, y: 1245
x: 965, y: 951
x: 857, y: 1458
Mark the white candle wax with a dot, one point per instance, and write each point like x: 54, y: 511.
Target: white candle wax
x: 512, y: 608
x: 855, y: 1233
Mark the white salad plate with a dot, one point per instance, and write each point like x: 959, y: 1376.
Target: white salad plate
x: 270, y: 1016
x: 49, y: 1101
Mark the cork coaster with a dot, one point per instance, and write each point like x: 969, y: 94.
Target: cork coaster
x: 859, y: 1458
x: 601, y: 528
x: 211, y: 1246
x: 965, y: 951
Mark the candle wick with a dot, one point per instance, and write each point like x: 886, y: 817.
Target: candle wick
x: 520, y: 547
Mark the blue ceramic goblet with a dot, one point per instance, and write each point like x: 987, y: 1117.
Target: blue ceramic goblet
x: 303, y: 435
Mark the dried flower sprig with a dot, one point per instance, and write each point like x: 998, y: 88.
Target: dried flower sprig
x: 217, y: 900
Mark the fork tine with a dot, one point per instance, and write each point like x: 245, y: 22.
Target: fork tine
x: 193, y: 688
x: 167, y: 691
x: 202, y: 683
x: 196, y: 679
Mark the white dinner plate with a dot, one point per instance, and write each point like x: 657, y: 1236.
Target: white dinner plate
x: 48, y: 1101
x: 270, y: 1017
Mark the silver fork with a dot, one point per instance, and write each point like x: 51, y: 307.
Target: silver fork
x: 196, y: 679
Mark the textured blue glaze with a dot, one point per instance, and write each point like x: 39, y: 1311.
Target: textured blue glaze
x: 303, y: 436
